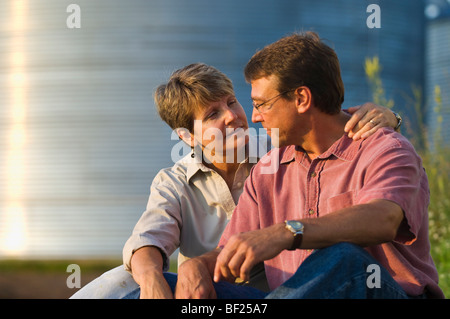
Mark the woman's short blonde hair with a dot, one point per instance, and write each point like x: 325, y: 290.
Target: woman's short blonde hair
x: 188, y: 89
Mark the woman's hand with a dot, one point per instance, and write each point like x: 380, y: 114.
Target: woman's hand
x: 195, y: 278
x: 367, y: 119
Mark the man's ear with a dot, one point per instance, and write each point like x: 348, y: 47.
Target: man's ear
x: 186, y: 136
x: 303, y: 99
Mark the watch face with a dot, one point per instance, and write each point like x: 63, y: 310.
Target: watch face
x: 296, y: 225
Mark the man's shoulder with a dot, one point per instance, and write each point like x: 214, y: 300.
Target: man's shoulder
x: 386, y: 138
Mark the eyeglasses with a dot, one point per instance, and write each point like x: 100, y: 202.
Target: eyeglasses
x: 264, y: 107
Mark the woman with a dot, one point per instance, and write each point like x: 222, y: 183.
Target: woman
x: 191, y: 202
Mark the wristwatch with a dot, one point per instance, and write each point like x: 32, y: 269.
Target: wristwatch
x: 399, y: 120
x: 296, y: 228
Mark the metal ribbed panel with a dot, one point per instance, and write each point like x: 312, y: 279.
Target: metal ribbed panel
x: 78, y: 179
x: 438, y: 73
x: 80, y: 140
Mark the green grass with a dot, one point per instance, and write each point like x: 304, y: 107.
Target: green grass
x: 437, y: 165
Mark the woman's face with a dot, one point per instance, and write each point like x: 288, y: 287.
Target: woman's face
x: 220, y: 128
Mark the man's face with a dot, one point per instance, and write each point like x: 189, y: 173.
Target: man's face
x: 278, y: 115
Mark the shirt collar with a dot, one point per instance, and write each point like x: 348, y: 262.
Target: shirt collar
x: 193, y: 165
x: 289, y: 153
x: 344, y: 148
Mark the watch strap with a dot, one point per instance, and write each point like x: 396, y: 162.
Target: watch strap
x: 399, y: 120
x: 297, y: 241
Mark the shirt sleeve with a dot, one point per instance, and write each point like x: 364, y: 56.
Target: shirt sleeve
x: 396, y: 174
x: 159, y: 225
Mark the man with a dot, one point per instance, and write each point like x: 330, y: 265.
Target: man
x: 329, y: 197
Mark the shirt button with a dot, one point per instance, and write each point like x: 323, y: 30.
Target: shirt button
x: 313, y: 174
x: 311, y: 211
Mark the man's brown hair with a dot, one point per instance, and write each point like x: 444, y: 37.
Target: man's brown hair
x: 301, y: 59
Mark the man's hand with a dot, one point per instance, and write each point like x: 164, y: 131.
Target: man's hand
x: 243, y: 251
x: 195, y: 278
x: 367, y: 119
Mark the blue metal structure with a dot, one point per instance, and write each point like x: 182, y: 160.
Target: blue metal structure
x: 80, y: 138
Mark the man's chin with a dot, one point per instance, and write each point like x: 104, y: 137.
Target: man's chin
x: 274, y: 137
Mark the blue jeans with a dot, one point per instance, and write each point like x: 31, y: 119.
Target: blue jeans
x: 113, y: 284
x: 224, y: 290
x: 336, y: 272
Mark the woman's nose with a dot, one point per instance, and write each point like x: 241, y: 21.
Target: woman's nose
x: 230, y: 116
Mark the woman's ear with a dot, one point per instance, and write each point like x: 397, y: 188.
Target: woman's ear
x: 303, y: 99
x: 186, y: 136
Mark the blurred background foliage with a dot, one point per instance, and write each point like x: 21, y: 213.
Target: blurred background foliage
x: 436, y: 161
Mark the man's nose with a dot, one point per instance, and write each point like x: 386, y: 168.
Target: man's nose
x: 256, y: 116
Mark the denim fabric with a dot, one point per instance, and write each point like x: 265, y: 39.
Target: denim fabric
x: 224, y: 290
x: 113, y: 284
x: 338, y: 272
x: 335, y: 272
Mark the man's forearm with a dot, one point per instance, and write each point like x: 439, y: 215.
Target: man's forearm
x: 365, y: 225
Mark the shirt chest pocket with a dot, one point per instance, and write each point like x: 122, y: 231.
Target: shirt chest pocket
x: 340, y: 201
